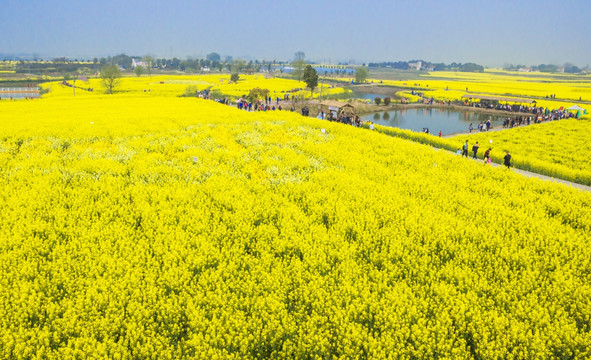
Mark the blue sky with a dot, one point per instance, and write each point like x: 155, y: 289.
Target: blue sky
x: 490, y: 33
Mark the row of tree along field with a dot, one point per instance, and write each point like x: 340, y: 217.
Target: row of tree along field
x: 213, y: 62
x: 68, y: 70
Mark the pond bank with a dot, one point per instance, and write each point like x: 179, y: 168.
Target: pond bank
x: 363, y: 108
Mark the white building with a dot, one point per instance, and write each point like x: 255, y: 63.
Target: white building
x: 135, y: 63
x: 416, y: 65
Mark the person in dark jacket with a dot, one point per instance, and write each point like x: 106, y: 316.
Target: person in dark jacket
x: 508, y: 160
x: 475, y: 149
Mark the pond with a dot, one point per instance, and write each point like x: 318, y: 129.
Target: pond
x: 367, y: 96
x: 448, y: 122
x: 18, y: 93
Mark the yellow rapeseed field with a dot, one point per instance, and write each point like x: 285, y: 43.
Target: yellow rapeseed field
x: 451, y: 85
x: 175, y: 85
x: 558, y: 149
x: 151, y: 226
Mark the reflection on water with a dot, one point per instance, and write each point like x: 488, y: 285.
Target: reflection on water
x: 19, y: 92
x: 434, y: 119
x: 371, y: 97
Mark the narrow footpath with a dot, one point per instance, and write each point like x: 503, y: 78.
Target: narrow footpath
x: 519, y: 171
x: 496, y: 128
x: 523, y: 172
x: 532, y: 174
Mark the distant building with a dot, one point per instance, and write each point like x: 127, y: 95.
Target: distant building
x: 415, y: 66
x: 135, y: 63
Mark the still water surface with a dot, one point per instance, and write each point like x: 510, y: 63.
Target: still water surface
x: 18, y: 93
x: 435, y: 120
x: 371, y: 97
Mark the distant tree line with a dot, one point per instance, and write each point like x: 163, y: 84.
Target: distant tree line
x: 548, y: 68
x: 428, y: 66
x: 212, y: 62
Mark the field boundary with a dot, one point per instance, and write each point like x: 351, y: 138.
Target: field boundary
x: 442, y: 143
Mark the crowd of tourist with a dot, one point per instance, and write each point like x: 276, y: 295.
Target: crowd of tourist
x: 548, y: 114
x: 65, y: 83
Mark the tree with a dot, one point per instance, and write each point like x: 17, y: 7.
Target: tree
x: 471, y: 67
x: 256, y: 94
x: 310, y: 77
x: 138, y: 70
x: 149, y: 64
x: 213, y: 57
x: 387, y: 101
x: 570, y: 68
x: 361, y: 74
x: 238, y: 65
x: 110, y: 75
x: 377, y: 100
x: 121, y: 60
x: 298, y: 65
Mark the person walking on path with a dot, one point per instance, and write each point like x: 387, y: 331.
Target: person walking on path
x: 470, y: 128
x: 487, y: 156
x: 475, y: 149
x: 508, y: 160
x: 465, y: 149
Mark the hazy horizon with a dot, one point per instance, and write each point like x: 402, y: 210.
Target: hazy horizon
x: 490, y: 34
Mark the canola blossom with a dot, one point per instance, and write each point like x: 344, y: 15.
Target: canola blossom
x: 452, y: 85
x: 558, y: 149
x: 505, y: 83
x: 175, y: 85
x: 164, y: 227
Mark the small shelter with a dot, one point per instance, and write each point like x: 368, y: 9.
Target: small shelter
x: 575, y: 108
x: 578, y: 109
x: 339, y: 109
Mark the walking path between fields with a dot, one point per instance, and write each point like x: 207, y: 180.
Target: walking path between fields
x: 539, y: 176
x: 519, y: 171
x: 496, y: 128
x: 523, y: 172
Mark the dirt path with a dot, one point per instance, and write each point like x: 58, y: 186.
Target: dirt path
x: 536, y: 175
x: 498, y: 128
x: 520, y: 171
x: 547, y: 178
